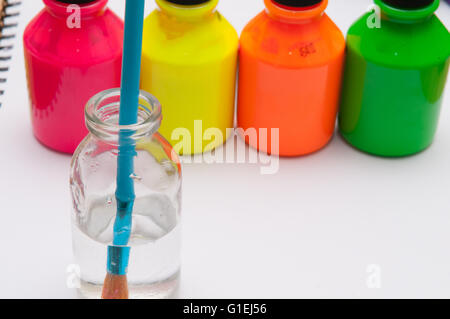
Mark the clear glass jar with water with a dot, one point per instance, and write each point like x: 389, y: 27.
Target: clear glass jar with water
x: 154, y: 263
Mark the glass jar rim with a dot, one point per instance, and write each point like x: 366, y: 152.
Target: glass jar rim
x: 150, y: 115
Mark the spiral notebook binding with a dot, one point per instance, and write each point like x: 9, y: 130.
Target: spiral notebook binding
x: 8, y: 14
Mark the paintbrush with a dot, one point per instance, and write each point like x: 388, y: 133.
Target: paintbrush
x: 115, y: 285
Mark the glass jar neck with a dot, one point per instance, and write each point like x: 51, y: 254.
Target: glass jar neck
x: 394, y: 14
x: 102, y: 117
x: 87, y: 10
x: 187, y: 12
x: 297, y: 15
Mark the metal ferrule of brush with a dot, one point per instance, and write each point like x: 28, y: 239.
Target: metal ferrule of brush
x: 118, y: 257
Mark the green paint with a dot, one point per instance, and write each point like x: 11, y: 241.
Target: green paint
x: 394, y: 81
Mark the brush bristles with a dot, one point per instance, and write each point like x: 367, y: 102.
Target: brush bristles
x: 115, y: 287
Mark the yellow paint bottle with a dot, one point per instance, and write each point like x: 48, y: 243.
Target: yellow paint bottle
x: 189, y: 63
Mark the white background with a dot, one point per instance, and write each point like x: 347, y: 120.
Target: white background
x: 312, y: 230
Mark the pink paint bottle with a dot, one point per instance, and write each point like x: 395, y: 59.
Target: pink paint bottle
x: 73, y: 50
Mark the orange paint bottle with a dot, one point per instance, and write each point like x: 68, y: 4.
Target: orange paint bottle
x: 291, y: 61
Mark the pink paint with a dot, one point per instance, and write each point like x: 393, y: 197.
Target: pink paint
x: 67, y: 65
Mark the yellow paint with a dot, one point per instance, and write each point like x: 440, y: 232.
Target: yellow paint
x: 189, y: 63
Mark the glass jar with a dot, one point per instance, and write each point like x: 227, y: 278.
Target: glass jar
x: 155, y: 238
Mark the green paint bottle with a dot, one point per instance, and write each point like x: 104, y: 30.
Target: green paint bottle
x: 396, y: 68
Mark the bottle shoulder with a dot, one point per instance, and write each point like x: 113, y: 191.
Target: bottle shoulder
x: 400, y: 44
x: 312, y: 43
x: 157, y: 158
x: 173, y: 40
x: 94, y: 40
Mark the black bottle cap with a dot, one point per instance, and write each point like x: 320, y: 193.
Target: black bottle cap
x: 409, y: 4
x: 298, y: 3
x: 76, y: 1
x: 187, y: 2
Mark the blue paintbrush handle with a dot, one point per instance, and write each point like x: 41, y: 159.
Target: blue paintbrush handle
x: 129, y: 102
x: 131, y: 65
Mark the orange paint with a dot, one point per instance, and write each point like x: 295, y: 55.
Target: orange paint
x: 291, y: 63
